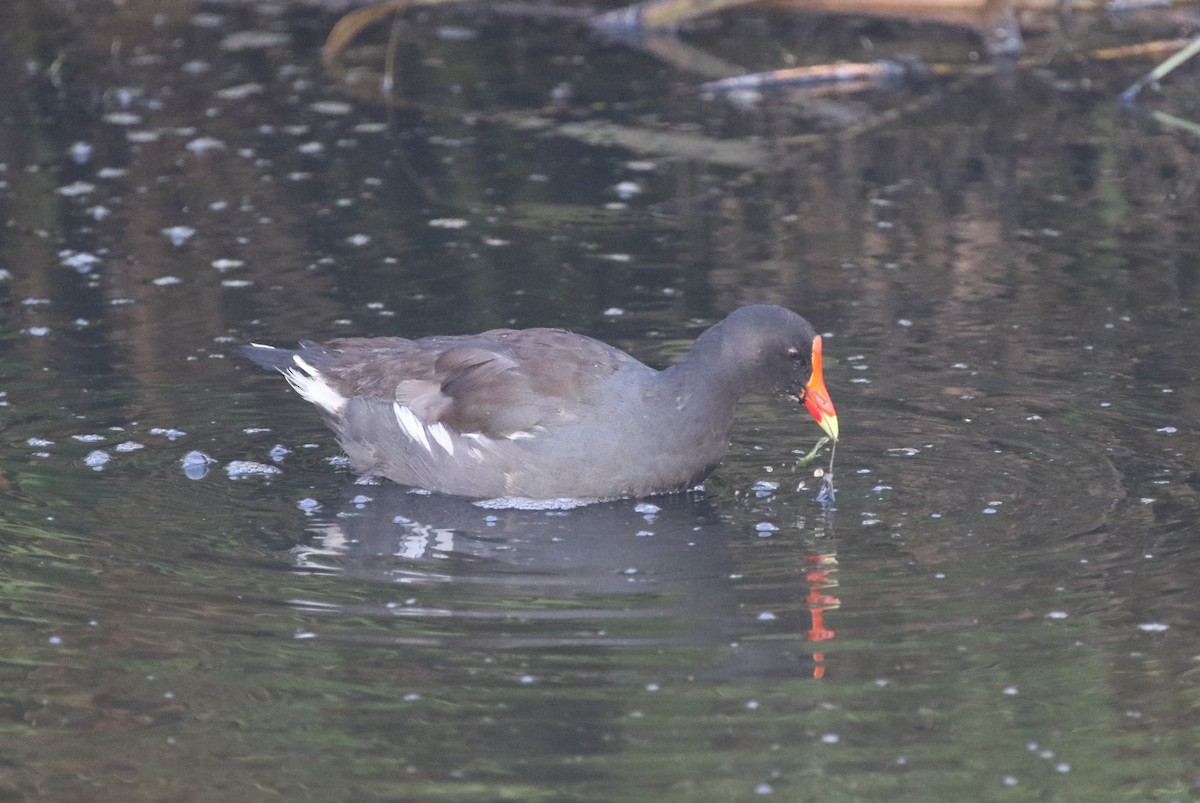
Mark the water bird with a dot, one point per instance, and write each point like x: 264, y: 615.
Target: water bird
x: 546, y: 413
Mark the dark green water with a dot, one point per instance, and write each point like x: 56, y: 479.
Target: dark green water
x: 1002, y: 606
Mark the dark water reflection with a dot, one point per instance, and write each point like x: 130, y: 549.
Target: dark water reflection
x: 608, y: 575
x: 1002, y: 605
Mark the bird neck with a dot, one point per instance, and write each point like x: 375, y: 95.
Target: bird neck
x: 710, y: 373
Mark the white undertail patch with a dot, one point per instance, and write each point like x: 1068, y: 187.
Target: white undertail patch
x: 312, y: 387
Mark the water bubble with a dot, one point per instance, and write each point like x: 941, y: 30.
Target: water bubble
x: 178, y: 235
x: 203, y: 145
x: 97, y: 459
x: 448, y: 223
x: 80, y: 152
x: 626, y: 190
x: 335, y: 108
x: 76, y: 188
x: 764, y: 488
x: 81, y: 261
x: 253, y: 40
x: 195, y: 465
x: 242, y: 469
x: 171, y: 433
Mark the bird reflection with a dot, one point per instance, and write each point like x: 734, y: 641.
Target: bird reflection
x: 623, y: 573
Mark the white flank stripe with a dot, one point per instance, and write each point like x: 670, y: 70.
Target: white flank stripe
x: 305, y: 367
x: 443, y: 437
x: 412, y: 425
x: 312, y: 387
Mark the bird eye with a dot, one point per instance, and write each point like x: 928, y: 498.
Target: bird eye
x: 793, y: 353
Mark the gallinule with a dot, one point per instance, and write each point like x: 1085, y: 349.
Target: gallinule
x: 545, y: 413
